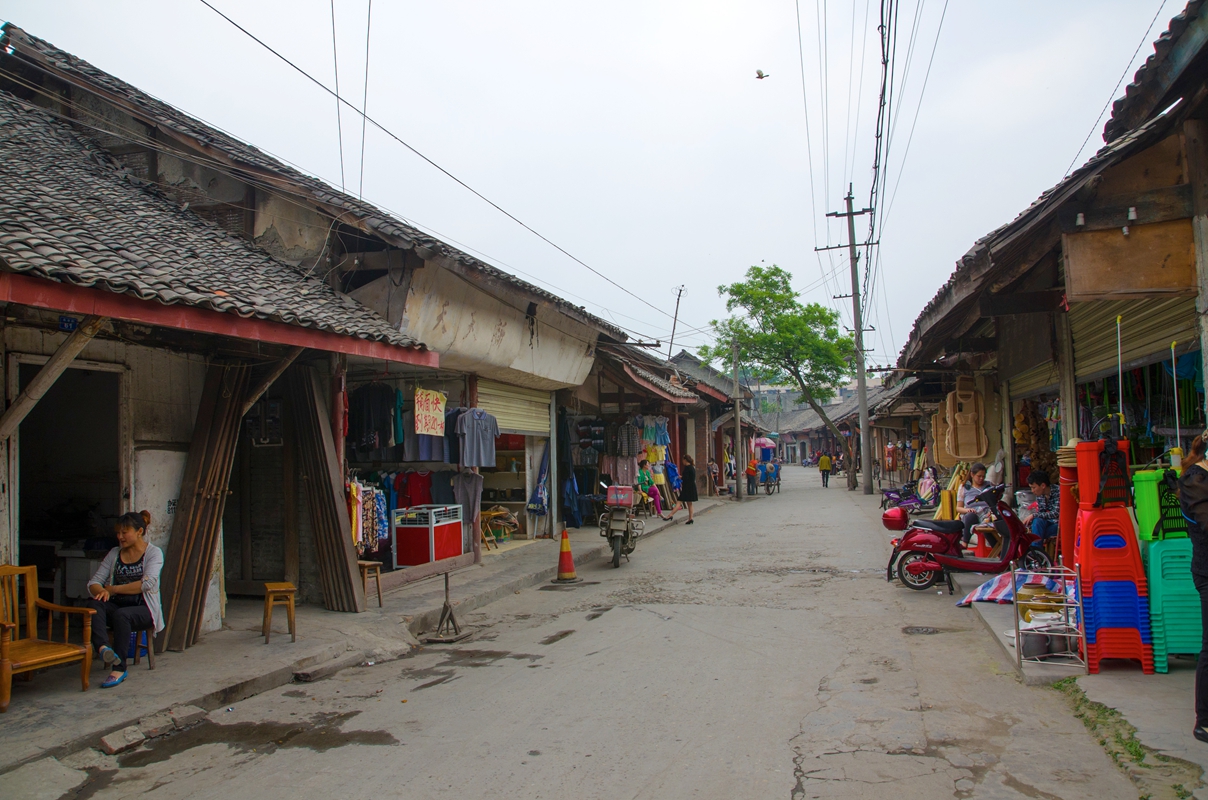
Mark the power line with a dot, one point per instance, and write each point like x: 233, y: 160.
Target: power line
x: 364, y: 101
x: 134, y: 137
x: 335, y: 61
x: 1123, y: 75
x: 370, y: 120
x: 809, y: 150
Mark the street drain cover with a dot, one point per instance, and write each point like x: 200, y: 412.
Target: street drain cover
x: 917, y: 630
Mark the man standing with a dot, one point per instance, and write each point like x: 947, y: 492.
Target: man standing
x: 824, y: 469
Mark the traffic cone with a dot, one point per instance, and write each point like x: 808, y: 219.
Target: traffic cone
x: 566, y: 562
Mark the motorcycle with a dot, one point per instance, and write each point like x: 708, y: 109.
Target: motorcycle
x: 930, y: 550
x: 619, y: 524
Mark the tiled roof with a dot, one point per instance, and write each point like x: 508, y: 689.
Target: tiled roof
x: 700, y: 372
x: 167, y: 117
x: 803, y: 420
x: 1144, y: 96
x: 664, y: 384
x: 986, y: 248
x: 69, y: 213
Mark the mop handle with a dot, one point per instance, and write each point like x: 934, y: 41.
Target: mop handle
x: 1174, y: 377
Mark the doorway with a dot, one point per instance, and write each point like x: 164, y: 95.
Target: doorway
x: 69, y: 474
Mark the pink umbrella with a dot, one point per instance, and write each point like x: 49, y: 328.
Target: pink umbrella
x: 763, y: 442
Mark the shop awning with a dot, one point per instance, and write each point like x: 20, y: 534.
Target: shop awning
x: 42, y: 293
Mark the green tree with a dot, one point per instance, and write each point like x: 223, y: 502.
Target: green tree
x: 784, y: 341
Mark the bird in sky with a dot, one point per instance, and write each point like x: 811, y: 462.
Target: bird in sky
x: 760, y: 75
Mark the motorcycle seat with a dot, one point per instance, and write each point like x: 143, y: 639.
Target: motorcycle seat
x: 940, y: 525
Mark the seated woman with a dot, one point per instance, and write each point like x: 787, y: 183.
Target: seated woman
x: 966, y: 498
x: 125, y: 593
x: 647, y: 486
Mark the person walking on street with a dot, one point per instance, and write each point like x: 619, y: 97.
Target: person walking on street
x: 688, y: 494
x: 1193, y: 497
x: 824, y: 469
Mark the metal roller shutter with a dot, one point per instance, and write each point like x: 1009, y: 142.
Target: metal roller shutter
x: 516, y: 410
x: 1034, y: 381
x: 1147, y: 329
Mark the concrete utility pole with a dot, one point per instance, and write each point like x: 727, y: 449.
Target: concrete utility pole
x: 858, y: 317
x: 738, y: 466
x: 679, y: 292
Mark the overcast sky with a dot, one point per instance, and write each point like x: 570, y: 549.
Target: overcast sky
x: 636, y: 135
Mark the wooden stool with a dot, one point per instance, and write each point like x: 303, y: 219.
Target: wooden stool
x: 374, y: 568
x: 275, y: 594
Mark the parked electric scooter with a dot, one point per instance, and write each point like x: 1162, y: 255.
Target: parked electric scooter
x: 930, y: 550
x: 619, y: 524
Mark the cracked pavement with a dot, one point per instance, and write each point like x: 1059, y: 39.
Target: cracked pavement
x: 759, y: 653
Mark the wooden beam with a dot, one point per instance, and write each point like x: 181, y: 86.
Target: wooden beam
x: 1020, y: 303
x: 1157, y: 205
x: 50, y: 372
x: 254, y: 395
x: 972, y: 344
x: 1196, y: 142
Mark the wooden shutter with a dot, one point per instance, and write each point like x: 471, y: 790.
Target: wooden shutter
x: 1034, y: 381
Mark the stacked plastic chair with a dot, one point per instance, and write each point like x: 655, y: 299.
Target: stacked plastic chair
x: 1174, y: 603
x: 1115, y: 593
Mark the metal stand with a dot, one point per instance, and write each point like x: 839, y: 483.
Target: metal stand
x: 1066, y: 637
x: 448, y: 631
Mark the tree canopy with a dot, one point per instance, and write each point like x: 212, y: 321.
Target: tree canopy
x: 782, y: 340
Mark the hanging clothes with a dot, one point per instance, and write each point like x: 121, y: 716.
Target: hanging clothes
x: 452, y: 440
x: 467, y: 490
x: 629, y: 440
x: 478, y: 431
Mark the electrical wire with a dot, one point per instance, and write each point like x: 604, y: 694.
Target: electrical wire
x: 1123, y: 75
x: 364, y: 101
x: 299, y: 200
x: 335, y: 60
x: 809, y: 153
x: 371, y: 121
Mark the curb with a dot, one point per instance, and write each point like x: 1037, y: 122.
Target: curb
x: 210, y: 701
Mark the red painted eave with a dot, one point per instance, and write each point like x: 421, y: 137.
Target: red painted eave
x: 656, y: 389
x: 47, y: 294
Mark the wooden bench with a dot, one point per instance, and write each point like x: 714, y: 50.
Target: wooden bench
x: 373, y: 568
x: 279, y: 593
x: 21, y: 651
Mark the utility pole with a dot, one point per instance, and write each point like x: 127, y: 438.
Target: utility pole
x: 738, y: 468
x: 679, y: 292
x: 853, y: 258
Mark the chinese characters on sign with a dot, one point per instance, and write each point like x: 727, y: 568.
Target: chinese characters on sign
x: 429, y: 412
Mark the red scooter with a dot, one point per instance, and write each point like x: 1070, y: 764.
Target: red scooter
x: 929, y: 550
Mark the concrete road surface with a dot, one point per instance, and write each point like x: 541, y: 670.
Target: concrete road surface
x: 757, y: 653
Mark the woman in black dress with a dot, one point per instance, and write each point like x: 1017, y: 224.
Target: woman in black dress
x: 1193, y: 496
x: 688, y: 494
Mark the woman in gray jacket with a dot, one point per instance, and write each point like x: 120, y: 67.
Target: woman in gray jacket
x: 125, y: 593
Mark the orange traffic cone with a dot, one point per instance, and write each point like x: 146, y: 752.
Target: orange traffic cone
x: 566, y: 562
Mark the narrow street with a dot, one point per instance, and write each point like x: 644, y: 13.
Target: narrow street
x: 758, y: 653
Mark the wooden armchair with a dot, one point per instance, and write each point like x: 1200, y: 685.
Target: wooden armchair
x: 21, y: 651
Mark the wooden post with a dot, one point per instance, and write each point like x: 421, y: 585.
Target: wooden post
x: 254, y: 395
x: 245, y: 511
x: 289, y: 487
x: 50, y: 372
x: 1196, y: 142
x: 1067, y: 385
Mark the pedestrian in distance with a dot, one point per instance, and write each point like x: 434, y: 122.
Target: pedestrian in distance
x: 688, y: 494
x: 715, y: 476
x: 752, y: 476
x: 824, y: 469
x: 125, y: 593
x: 1193, y: 497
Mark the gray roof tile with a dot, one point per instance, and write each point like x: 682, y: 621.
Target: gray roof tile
x: 70, y: 213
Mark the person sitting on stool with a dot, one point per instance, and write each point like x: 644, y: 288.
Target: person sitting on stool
x: 1048, y: 505
x: 125, y: 593
x: 966, y: 496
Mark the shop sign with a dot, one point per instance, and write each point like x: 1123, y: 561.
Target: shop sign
x: 429, y: 412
